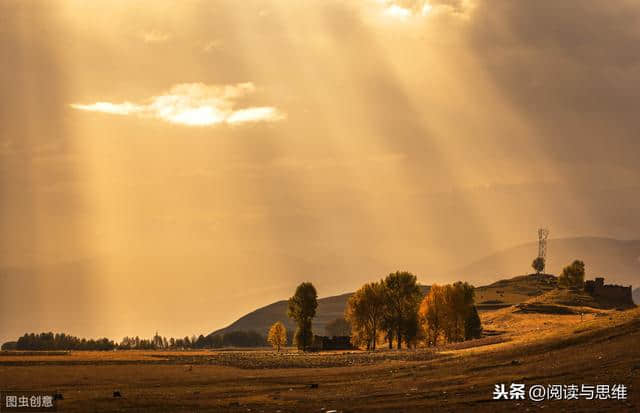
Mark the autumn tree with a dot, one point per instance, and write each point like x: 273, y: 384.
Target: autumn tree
x: 338, y: 327
x: 302, y: 308
x: 402, y: 301
x: 538, y: 264
x: 277, y: 335
x: 449, y: 312
x: 572, y: 275
x: 460, y: 299
x: 365, y: 311
x: 433, y: 314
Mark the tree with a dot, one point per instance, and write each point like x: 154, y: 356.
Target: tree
x: 572, y: 275
x: 473, y: 325
x: 459, y: 298
x: 411, y: 330
x: 338, y: 327
x: 365, y: 311
x: 403, y: 297
x: 302, y: 308
x: 449, y: 312
x: 432, y: 313
x: 277, y: 335
x: 538, y: 264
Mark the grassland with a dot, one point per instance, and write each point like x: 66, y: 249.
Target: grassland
x: 599, y: 347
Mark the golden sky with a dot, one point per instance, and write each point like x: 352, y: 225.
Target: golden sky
x: 171, y: 165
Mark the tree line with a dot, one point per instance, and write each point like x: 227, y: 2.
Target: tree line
x: 58, y: 341
x: 393, y: 310
x: 62, y: 341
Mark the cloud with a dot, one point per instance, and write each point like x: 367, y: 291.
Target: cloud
x: 154, y: 36
x: 212, y: 45
x: 193, y: 104
x: 125, y: 108
x: 576, y: 81
x: 404, y: 9
x: 397, y: 11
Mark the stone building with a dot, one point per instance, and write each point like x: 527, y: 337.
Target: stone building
x: 610, y: 292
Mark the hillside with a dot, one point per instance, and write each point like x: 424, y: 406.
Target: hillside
x: 617, y: 259
x: 500, y: 294
x: 329, y: 308
x: 505, y: 293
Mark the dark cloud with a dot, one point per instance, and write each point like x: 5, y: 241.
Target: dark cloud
x: 571, y: 67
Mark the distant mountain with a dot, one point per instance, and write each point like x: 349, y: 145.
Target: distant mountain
x: 618, y: 261
x: 636, y: 296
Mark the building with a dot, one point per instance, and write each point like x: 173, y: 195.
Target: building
x: 610, y: 292
x: 321, y: 343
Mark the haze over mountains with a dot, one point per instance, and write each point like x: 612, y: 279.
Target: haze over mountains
x: 82, y: 297
x: 617, y: 260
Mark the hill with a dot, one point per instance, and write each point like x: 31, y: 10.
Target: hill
x: 503, y: 293
x: 619, y: 260
x: 512, y: 291
x: 329, y: 308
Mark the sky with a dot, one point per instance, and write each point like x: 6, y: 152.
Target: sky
x: 171, y: 166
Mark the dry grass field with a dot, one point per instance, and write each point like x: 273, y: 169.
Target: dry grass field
x: 600, y: 347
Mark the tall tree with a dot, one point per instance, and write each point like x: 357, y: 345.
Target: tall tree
x: 365, y: 311
x: 432, y: 312
x: 277, y: 335
x: 403, y: 297
x: 302, y: 308
x: 449, y: 311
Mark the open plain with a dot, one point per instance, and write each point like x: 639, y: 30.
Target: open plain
x: 597, y: 347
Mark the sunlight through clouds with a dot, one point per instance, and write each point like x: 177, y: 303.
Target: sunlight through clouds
x: 403, y: 10
x: 398, y: 12
x: 193, y: 104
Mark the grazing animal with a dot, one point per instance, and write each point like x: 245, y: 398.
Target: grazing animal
x: 117, y: 393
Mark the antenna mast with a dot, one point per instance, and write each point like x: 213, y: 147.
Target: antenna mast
x: 543, y: 234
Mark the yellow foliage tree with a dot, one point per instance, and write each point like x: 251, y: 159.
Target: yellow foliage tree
x: 277, y: 335
x: 449, y: 312
x: 433, y: 314
x: 365, y: 311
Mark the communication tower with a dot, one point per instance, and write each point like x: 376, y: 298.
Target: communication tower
x: 543, y: 234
